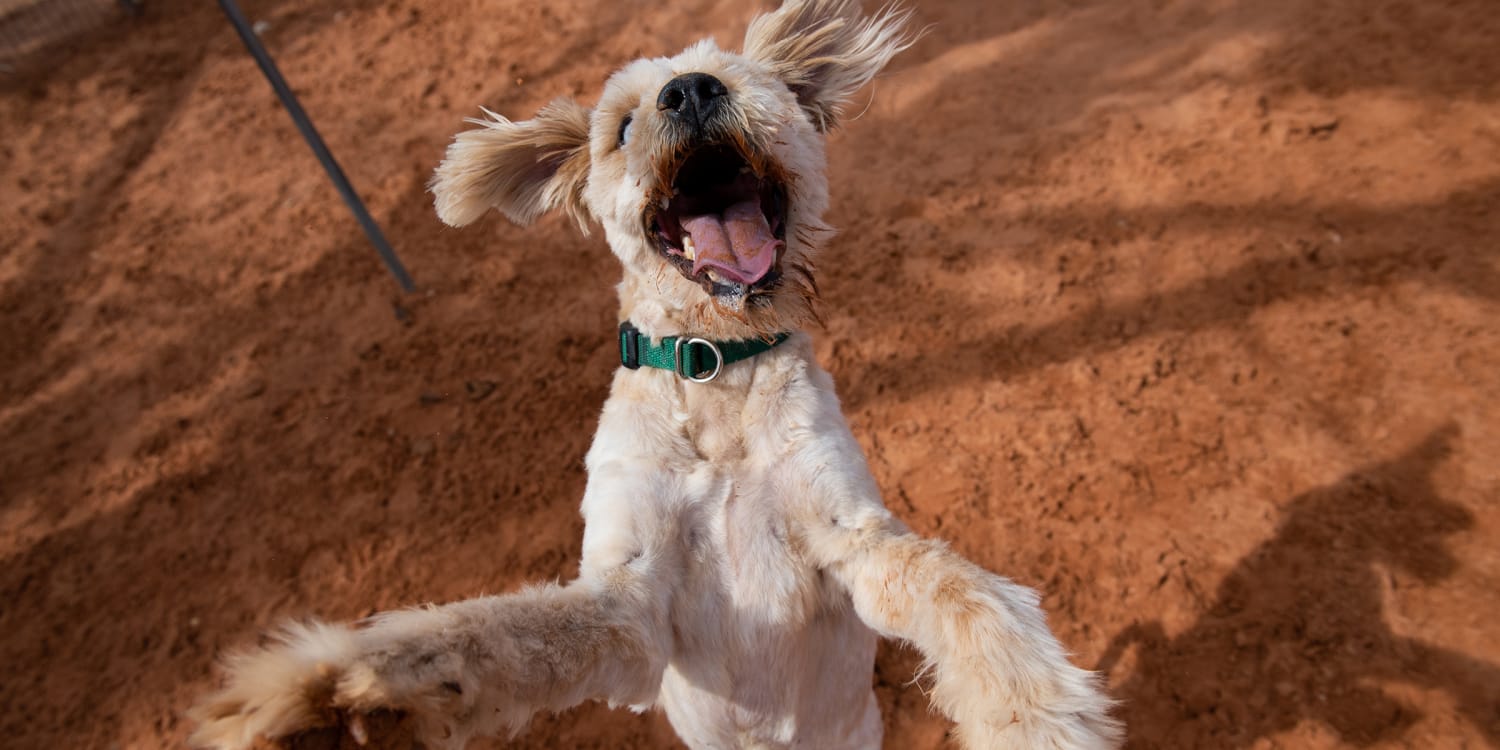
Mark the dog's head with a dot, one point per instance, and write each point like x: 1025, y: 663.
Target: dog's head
x: 706, y: 170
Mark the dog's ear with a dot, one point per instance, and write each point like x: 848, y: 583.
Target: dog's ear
x: 525, y: 168
x: 824, y: 51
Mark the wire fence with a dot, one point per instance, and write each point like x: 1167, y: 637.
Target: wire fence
x: 27, y: 27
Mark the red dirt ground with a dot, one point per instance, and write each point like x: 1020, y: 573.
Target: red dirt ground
x: 1183, y: 311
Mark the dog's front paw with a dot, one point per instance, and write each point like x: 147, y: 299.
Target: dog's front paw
x: 352, y: 730
x: 288, y: 696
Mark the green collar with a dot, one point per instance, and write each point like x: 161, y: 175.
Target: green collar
x: 692, y: 358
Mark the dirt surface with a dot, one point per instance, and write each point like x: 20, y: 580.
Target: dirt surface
x: 1186, y: 312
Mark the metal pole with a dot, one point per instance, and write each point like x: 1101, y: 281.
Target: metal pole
x: 310, y: 134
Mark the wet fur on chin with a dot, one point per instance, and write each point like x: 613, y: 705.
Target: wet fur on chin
x: 738, y: 561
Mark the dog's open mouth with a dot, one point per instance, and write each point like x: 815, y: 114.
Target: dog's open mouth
x: 724, y: 225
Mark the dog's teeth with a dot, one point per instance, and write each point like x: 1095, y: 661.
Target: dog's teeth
x: 689, y: 251
x: 715, y: 277
x: 665, y: 201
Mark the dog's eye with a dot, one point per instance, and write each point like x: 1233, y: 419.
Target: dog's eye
x: 625, y: 129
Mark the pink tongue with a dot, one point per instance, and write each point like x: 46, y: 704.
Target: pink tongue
x: 738, y: 245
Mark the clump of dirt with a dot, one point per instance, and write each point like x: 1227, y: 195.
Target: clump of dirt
x: 1183, y: 312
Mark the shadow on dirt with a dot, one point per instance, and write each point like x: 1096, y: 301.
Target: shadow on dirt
x: 153, y: 61
x: 1386, y: 245
x: 1326, y: 48
x: 318, y: 432
x: 1285, y: 642
x: 269, y: 456
x: 1030, y: 73
x: 241, y: 436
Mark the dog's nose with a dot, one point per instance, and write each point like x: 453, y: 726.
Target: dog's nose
x: 692, y: 99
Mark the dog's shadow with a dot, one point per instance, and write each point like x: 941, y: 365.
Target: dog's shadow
x: 1297, y: 631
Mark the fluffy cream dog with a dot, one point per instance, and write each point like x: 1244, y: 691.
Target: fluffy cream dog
x: 738, y: 562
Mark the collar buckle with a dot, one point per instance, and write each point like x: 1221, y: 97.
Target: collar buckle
x: 630, y: 346
x: 686, y: 358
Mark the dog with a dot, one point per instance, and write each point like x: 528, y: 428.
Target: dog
x: 738, y: 561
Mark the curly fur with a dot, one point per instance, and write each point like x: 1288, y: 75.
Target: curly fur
x: 738, y: 562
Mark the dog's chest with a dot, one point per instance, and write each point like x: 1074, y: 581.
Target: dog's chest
x: 767, y: 650
x: 744, y: 557
x: 748, y: 555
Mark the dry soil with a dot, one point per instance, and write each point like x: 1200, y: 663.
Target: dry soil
x: 1182, y: 311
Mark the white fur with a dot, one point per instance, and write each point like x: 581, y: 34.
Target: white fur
x: 738, y: 562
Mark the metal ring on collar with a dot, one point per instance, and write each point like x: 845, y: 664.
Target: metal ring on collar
x: 682, y: 368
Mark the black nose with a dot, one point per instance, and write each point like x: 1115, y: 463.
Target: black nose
x: 692, y: 99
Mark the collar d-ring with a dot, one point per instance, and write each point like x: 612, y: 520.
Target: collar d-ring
x: 685, y: 354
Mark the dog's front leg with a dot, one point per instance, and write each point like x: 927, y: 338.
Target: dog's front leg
x: 440, y: 675
x: 998, y: 671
